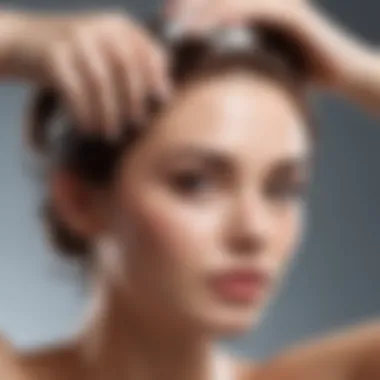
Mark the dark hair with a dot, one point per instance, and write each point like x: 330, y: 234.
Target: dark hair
x: 94, y: 160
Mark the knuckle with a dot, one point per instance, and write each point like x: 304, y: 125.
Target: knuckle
x: 98, y: 80
x: 112, y: 20
x: 79, y: 33
x: 159, y: 56
x: 53, y: 56
x: 55, y: 51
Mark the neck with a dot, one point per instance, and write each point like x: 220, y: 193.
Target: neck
x: 123, y: 343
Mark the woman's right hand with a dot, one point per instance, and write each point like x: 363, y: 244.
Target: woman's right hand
x: 337, y: 60
x: 102, y: 65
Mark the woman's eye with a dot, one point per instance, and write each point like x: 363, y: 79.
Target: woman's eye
x: 191, y: 182
x: 288, y: 192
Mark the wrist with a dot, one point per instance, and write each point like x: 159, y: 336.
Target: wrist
x: 13, y: 31
x: 363, y: 74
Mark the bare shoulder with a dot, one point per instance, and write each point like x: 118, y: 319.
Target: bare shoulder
x: 5, y: 347
x: 271, y: 370
x: 246, y: 369
x: 51, y: 363
x: 10, y: 368
x: 339, y: 355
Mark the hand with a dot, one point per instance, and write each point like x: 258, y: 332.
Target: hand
x: 103, y: 65
x: 10, y: 369
x: 336, y: 59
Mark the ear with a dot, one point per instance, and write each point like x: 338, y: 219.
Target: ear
x: 76, y: 204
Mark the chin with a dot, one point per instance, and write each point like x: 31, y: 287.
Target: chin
x: 233, y: 321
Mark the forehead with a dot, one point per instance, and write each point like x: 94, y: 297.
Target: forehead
x: 248, y: 117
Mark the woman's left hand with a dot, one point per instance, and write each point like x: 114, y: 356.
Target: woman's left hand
x: 338, y: 61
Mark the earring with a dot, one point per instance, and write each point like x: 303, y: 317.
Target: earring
x: 108, y: 252
x: 106, y: 245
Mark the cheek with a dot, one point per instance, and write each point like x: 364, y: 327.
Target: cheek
x: 168, y: 230
x: 289, y: 230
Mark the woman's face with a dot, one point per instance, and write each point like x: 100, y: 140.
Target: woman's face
x: 208, y: 206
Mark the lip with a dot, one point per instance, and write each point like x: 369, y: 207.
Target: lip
x: 241, y: 285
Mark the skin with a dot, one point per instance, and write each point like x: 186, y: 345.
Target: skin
x: 9, y: 363
x: 239, y: 220
x: 87, y: 60
x: 245, y: 171
x: 229, y: 217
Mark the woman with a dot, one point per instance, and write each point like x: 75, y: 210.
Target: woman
x: 187, y: 226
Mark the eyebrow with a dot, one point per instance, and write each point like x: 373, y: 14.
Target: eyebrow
x: 212, y: 157
x: 288, y: 164
x: 223, y: 161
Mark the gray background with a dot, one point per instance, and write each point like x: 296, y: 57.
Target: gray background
x: 336, y: 278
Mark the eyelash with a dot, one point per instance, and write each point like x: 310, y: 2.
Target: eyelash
x: 184, y: 182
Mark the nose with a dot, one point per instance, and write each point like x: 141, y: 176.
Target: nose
x: 250, y: 224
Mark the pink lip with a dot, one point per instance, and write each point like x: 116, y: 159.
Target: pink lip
x: 240, y: 285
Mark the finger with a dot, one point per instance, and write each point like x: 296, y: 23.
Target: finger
x: 65, y: 77
x: 203, y: 18
x: 157, y: 70
x: 97, y: 74
x: 226, y: 13
x: 155, y: 61
x: 188, y: 12
x: 260, y: 12
x: 169, y: 9
x: 129, y: 76
x: 181, y: 9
